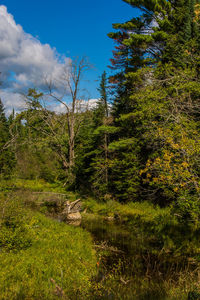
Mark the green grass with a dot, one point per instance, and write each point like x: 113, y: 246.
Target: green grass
x: 41, y: 258
x: 143, y: 210
x: 32, y: 185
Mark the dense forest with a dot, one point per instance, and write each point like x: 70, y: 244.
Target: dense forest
x: 140, y: 143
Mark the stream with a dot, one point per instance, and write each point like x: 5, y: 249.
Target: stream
x: 123, y: 271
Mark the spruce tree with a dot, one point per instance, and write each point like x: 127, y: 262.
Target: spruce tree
x: 103, y: 90
x: 6, y: 155
x: 99, y: 163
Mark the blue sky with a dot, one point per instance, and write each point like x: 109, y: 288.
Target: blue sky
x: 74, y: 28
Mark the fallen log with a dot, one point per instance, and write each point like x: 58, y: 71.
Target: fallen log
x: 108, y: 248
x: 53, y: 193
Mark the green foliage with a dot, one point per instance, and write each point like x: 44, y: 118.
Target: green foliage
x: 37, y: 161
x: 124, y: 169
x: 156, y: 106
x: 172, y: 138
x: 105, y: 129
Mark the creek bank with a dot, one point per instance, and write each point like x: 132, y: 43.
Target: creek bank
x: 156, y: 260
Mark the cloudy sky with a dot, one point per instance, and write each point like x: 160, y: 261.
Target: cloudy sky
x: 37, y: 38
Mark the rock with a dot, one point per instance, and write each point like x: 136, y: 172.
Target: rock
x: 73, y: 216
x: 74, y: 223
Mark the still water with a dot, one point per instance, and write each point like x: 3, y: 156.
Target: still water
x: 125, y: 269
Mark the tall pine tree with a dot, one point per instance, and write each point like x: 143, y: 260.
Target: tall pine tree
x: 6, y: 155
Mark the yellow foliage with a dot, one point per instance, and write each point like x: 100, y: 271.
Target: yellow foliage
x: 185, y: 164
x: 197, y: 13
x: 155, y: 179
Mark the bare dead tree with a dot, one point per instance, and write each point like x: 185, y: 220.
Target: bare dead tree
x: 71, y: 80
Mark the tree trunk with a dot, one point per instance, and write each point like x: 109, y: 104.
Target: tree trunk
x: 71, y: 143
x: 106, y: 158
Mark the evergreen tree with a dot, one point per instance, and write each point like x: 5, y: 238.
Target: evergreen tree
x: 99, y: 166
x: 102, y: 109
x: 152, y: 51
x: 6, y: 155
x: 103, y: 101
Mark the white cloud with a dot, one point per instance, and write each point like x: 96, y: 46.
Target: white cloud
x: 92, y: 103
x: 24, y: 60
x: 81, y: 105
x: 12, y: 100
